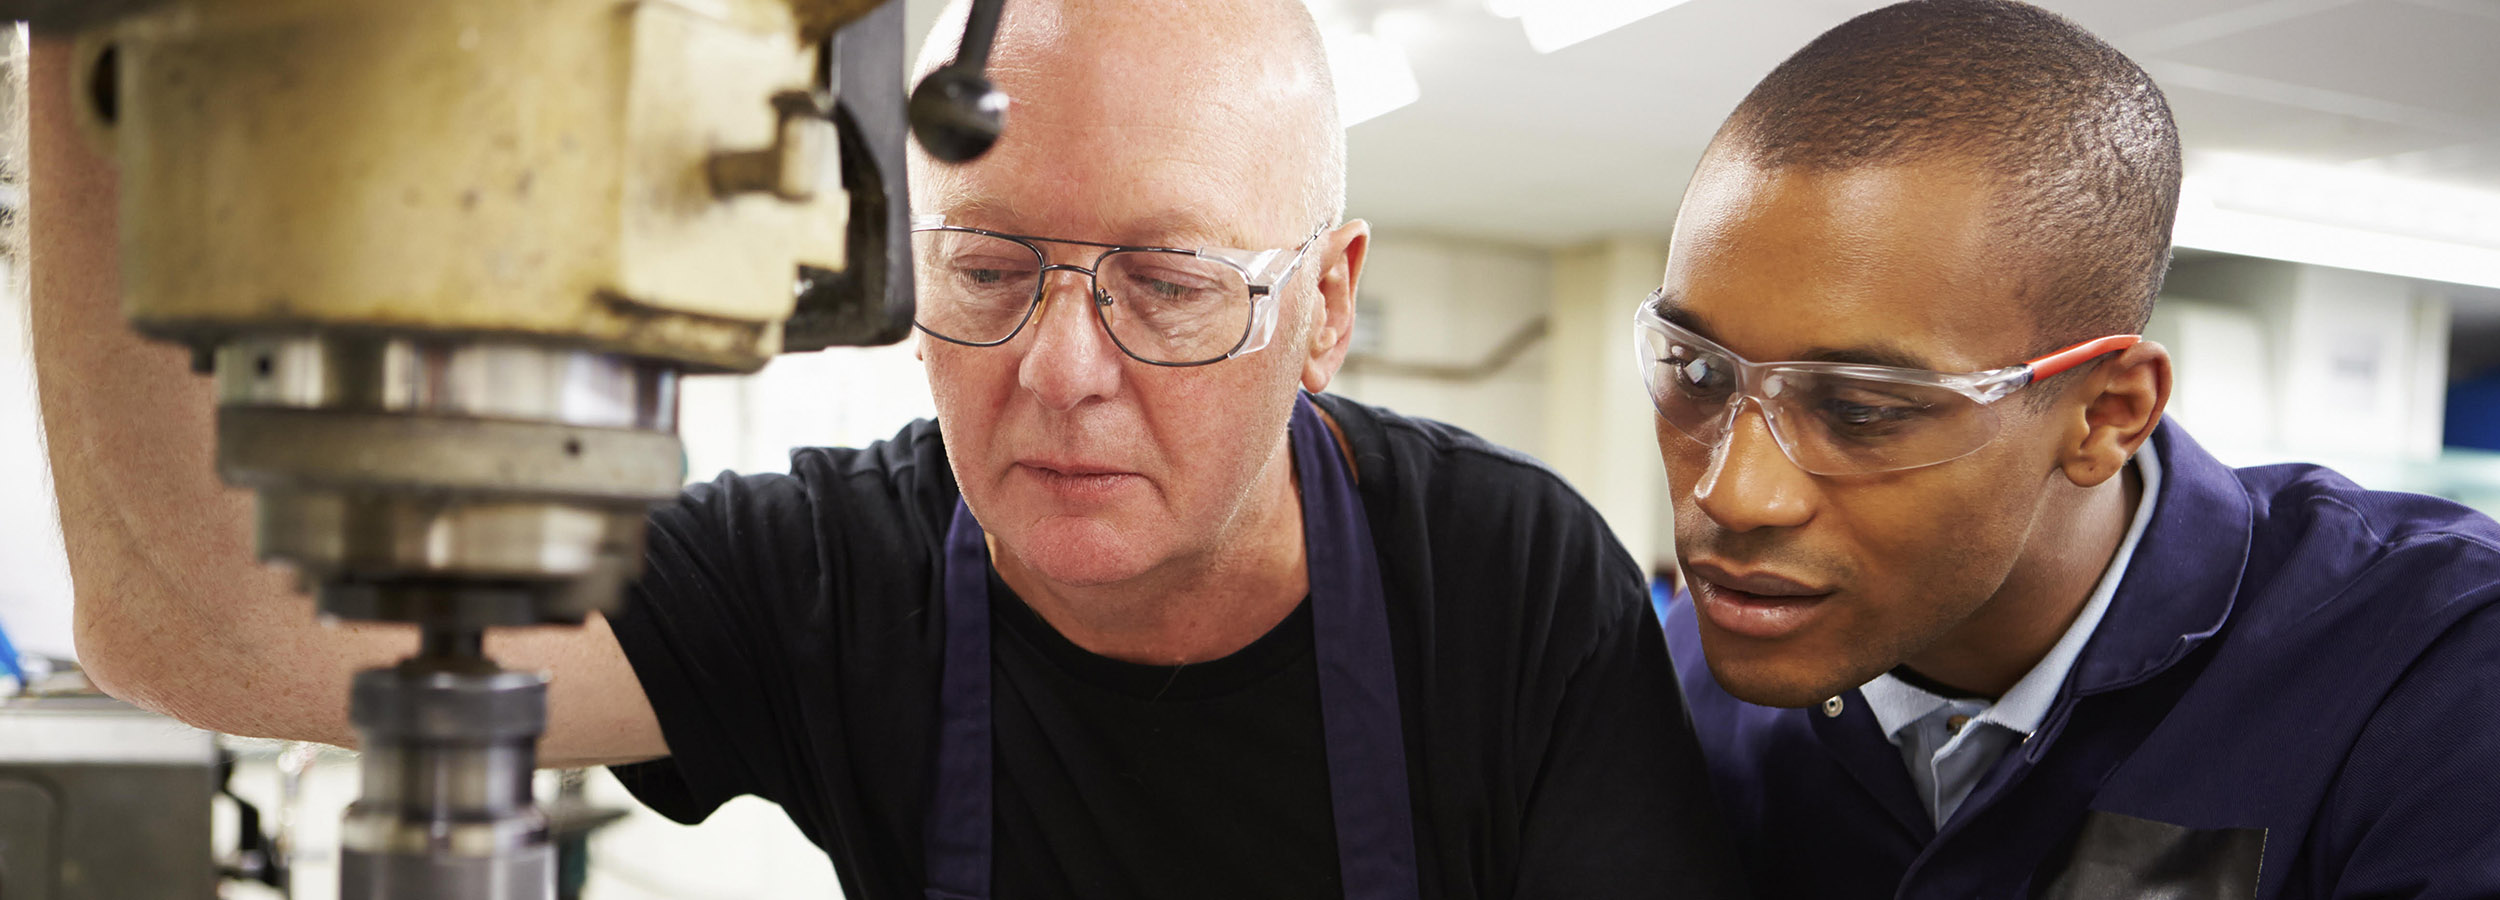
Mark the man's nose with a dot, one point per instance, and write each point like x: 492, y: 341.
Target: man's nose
x: 1071, y: 359
x: 1749, y: 483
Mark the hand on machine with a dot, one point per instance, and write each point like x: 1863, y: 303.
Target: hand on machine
x: 446, y: 261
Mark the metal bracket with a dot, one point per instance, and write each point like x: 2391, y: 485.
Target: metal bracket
x: 870, y: 302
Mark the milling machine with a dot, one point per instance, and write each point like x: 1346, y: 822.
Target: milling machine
x: 446, y: 261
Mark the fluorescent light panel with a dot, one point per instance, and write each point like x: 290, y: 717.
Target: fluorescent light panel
x: 1373, y: 75
x: 2342, y: 217
x: 1555, y: 24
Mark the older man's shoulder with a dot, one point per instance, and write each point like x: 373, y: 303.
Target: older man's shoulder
x: 1458, y: 486
x: 916, y: 446
x: 1379, y: 432
x: 903, y: 479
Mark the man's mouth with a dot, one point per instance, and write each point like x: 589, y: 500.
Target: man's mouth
x: 1759, y: 605
x: 1074, y: 480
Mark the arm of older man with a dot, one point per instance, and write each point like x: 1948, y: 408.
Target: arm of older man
x: 173, y: 613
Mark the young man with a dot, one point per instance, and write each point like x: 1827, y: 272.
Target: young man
x: 1967, y: 618
x: 1134, y: 618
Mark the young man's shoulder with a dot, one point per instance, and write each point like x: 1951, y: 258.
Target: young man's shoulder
x: 2322, y: 708
x: 2321, y: 546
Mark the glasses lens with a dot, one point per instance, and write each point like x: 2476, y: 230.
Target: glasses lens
x: 973, y: 288
x: 1691, y: 385
x: 1173, y: 307
x: 1845, y: 425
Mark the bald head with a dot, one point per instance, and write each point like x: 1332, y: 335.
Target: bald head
x: 1237, y: 89
x: 2078, y: 136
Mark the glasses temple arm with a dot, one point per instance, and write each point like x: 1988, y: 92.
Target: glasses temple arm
x: 2055, y: 363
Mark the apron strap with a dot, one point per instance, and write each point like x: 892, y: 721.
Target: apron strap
x: 1358, y: 679
x: 960, y: 817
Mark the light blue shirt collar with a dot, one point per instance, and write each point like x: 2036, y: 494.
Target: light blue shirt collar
x: 1948, y: 744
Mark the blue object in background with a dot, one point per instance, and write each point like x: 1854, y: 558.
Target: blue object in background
x: 2473, y: 418
x: 8, y: 658
x: 1661, y: 595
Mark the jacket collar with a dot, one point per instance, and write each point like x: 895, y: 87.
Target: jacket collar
x: 2179, y: 589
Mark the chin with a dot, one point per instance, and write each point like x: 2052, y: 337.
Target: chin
x: 1086, y: 552
x: 1769, y: 679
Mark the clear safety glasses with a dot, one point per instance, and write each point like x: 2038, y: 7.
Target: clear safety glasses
x: 1161, y: 305
x: 1835, y: 418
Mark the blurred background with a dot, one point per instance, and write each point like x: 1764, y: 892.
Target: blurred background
x: 2336, y: 296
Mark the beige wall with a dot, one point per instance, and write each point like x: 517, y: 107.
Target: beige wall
x: 1596, y: 414
x: 1429, y: 302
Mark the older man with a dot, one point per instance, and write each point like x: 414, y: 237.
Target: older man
x: 1137, y: 617
x: 1976, y: 628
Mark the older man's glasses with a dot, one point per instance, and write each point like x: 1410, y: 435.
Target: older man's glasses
x: 1161, y: 305
x: 1835, y: 418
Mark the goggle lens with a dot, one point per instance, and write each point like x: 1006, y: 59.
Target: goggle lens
x: 1828, y: 423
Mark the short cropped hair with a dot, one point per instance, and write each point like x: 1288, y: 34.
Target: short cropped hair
x: 2078, y: 133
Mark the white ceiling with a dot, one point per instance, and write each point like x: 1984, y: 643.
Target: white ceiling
x: 1598, y: 138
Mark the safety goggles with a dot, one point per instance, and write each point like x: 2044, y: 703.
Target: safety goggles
x: 1835, y: 418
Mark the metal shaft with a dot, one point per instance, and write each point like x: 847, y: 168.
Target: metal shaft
x: 449, y: 748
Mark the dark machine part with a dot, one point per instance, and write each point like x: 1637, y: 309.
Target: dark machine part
x: 450, y: 747
x: 258, y: 854
x: 572, y: 818
x: 71, y: 15
x: 869, y: 302
x: 957, y: 113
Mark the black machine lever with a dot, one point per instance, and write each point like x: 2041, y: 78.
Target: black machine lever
x: 956, y: 112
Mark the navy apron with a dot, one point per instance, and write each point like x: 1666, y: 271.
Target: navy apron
x: 1358, y: 692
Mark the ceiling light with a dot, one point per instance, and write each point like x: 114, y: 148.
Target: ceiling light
x: 2342, y: 217
x: 1555, y: 24
x: 1373, y: 76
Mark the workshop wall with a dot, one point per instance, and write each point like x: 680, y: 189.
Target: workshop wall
x: 1455, y: 330
x: 2281, y: 362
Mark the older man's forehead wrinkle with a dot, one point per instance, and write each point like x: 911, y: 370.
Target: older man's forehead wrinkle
x: 1068, y: 204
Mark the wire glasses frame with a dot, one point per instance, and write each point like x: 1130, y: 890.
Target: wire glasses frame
x: 1259, y: 273
x: 1835, y: 418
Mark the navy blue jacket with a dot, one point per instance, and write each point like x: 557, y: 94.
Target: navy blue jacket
x: 2296, y: 692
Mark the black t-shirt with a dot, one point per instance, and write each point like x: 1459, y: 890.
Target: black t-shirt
x: 788, y: 636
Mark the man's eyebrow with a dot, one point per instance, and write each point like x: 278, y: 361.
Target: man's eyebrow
x: 1186, y: 224
x: 1669, y: 306
x: 1868, y: 355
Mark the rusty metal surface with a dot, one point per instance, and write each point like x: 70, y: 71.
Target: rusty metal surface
x: 461, y: 167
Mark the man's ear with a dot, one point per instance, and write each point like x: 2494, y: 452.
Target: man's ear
x: 1341, y: 255
x: 2125, y: 396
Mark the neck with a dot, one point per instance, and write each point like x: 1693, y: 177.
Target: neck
x: 1986, y: 655
x: 1190, y: 609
